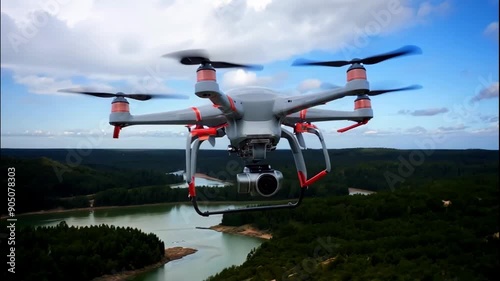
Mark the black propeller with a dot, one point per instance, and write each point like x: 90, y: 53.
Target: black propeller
x: 403, y: 51
x: 329, y: 86
x: 141, y: 97
x: 201, y: 57
x: 379, y: 92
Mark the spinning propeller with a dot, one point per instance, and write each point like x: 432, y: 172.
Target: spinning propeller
x: 141, y: 97
x: 329, y: 86
x: 201, y: 57
x: 403, y: 51
x: 379, y: 92
x: 357, y: 71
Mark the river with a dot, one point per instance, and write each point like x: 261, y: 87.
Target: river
x: 174, y: 225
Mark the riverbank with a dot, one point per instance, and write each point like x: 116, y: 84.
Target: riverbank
x: 245, y: 230
x: 201, y: 203
x: 171, y: 254
x: 61, y: 210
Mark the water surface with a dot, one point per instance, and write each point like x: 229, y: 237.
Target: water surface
x: 175, y: 226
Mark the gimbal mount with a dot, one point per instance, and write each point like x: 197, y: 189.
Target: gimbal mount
x: 196, y: 138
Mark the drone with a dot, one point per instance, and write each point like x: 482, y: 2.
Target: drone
x: 254, y: 119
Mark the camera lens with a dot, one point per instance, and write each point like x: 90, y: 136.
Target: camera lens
x: 267, y: 184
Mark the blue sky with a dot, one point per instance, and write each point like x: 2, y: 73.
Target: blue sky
x: 97, y: 44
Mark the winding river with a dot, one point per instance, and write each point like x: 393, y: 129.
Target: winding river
x: 173, y: 224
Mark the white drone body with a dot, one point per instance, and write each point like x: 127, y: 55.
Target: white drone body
x: 254, y: 120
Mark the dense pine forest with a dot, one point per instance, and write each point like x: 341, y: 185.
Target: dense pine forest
x: 43, y: 183
x: 434, y: 217
x: 446, y: 230
x: 71, y: 253
x: 58, y: 178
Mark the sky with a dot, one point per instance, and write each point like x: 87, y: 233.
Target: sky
x: 48, y: 45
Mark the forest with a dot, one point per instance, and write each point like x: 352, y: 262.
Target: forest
x: 56, y: 178
x: 406, y: 234
x: 70, y: 253
x: 434, y: 217
x: 43, y: 183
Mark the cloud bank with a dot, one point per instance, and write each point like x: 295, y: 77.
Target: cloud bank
x: 424, y: 112
x: 59, y: 40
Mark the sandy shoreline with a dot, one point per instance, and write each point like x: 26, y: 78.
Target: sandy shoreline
x: 245, y: 230
x: 171, y: 254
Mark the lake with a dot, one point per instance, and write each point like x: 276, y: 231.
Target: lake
x: 200, y: 180
x: 174, y: 225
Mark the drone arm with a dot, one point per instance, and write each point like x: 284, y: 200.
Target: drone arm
x: 289, y: 105
x: 318, y: 115
x: 226, y: 105
x: 204, y: 115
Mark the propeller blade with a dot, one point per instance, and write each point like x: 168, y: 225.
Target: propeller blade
x: 86, y: 92
x: 144, y: 97
x: 305, y: 62
x: 200, y: 57
x: 403, y: 51
x: 222, y: 64
x: 140, y: 97
x: 379, y: 92
x: 189, y: 57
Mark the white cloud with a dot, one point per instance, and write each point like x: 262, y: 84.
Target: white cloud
x: 309, y: 84
x: 416, y: 130
x: 109, y: 42
x: 240, y: 77
x: 368, y: 131
x: 488, y: 118
x: 42, y: 84
x: 489, y: 92
x: 424, y: 112
x: 96, y: 133
x: 258, y: 5
x: 491, y: 129
x: 39, y: 84
x: 427, y: 8
x: 155, y: 133
x: 492, y: 30
x: 29, y: 133
x: 459, y: 127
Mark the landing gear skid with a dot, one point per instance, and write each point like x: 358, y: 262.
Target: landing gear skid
x: 193, y: 145
x: 290, y: 205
